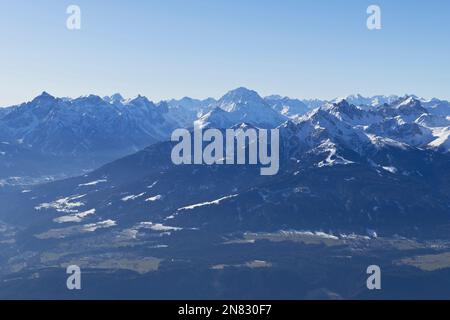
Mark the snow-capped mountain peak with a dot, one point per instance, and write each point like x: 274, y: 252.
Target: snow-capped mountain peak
x: 241, y: 95
x: 241, y: 105
x: 43, y: 98
x: 240, y: 98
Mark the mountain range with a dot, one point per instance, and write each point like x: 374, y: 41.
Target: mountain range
x: 66, y: 136
x: 360, y: 179
x: 406, y: 141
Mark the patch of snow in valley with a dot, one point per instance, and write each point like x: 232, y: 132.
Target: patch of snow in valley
x: 133, y: 197
x: 381, y: 142
x: 78, y: 217
x: 152, y: 185
x: 93, y: 183
x: 153, y: 199
x: 66, y: 205
x: 62, y: 233
x: 133, y: 233
x: 209, y: 203
x: 392, y: 170
x: 99, y: 225
x: 128, y: 234
x: 319, y: 234
x: 157, y: 227
x: 354, y: 236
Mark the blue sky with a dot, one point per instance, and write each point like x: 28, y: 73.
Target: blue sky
x: 200, y: 48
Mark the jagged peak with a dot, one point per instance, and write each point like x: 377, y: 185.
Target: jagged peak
x: 117, y: 97
x: 341, y: 103
x: 91, y: 99
x: 408, y: 101
x: 141, y: 101
x: 44, y: 96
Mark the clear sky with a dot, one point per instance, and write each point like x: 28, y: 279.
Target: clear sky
x: 174, y: 48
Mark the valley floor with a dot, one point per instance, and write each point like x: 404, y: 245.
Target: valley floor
x: 196, y: 265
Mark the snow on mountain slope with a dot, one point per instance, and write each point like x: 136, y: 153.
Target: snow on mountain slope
x: 286, y: 106
x: 92, y: 130
x: 337, y: 164
x: 396, y: 129
x: 241, y: 105
x: 406, y: 122
x: 192, y: 104
x: 407, y: 108
x: 437, y: 107
x: 216, y: 118
x: 374, y: 101
x: 432, y: 121
x: 314, y: 103
x: 87, y: 124
x: 188, y: 110
x: 325, y: 180
x: 321, y: 132
x: 442, y: 139
x: 352, y: 114
x: 69, y: 136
